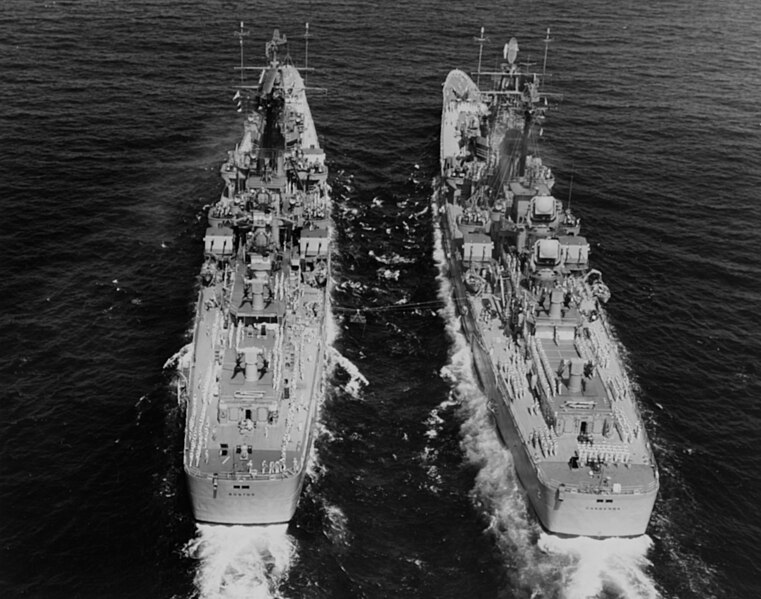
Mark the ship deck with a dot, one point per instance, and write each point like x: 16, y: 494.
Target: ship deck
x: 243, y: 426
x: 253, y: 425
x: 531, y: 423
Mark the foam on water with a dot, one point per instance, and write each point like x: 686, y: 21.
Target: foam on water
x: 337, y: 528
x: 430, y: 454
x: 388, y: 274
x: 357, y: 379
x: 182, y: 359
x: 603, y: 566
x: 435, y: 421
x: 392, y: 258
x: 241, y: 562
x: 538, y: 563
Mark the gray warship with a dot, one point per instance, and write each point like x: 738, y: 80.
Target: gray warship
x: 255, y: 370
x: 532, y: 311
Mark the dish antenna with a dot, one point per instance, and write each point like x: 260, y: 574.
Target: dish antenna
x: 510, y: 51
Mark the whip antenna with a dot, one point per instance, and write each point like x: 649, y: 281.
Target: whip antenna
x: 480, y: 41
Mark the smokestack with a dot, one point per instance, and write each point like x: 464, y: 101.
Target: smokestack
x: 556, y: 301
x: 257, y: 295
x: 577, y: 373
x: 252, y: 370
x: 256, y: 365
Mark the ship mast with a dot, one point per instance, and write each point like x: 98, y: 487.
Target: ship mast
x: 547, y: 41
x: 527, y: 124
x: 240, y: 35
x: 480, y: 41
x: 306, y: 53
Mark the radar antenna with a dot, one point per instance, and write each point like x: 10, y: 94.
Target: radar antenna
x: 510, y: 52
x: 273, y: 46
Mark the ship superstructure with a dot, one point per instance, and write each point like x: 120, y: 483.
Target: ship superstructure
x: 256, y: 371
x: 532, y: 311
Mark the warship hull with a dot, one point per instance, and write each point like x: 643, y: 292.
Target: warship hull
x: 254, y: 376
x: 531, y: 310
x: 559, y: 511
x: 230, y: 501
x: 243, y: 498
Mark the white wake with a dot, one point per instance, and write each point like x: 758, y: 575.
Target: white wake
x: 241, y: 562
x: 537, y: 564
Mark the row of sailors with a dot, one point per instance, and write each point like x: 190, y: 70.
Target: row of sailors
x: 515, y: 376
x: 546, y: 441
x: 539, y: 377
x: 276, y: 467
x: 273, y: 467
x: 545, y: 368
x: 196, y: 430
x: 309, y: 166
x: 598, y: 455
x: 290, y: 416
x: 225, y: 209
x: 582, y: 346
x: 600, y: 345
x: 626, y: 431
x: 620, y: 388
x: 535, y: 409
x: 315, y: 213
x: 473, y: 216
x: 278, y: 363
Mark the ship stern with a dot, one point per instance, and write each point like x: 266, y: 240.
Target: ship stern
x: 230, y: 501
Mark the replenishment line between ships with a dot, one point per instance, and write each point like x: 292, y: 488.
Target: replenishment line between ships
x: 532, y: 311
x: 254, y: 375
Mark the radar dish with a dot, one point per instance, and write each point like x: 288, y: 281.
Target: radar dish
x: 511, y: 50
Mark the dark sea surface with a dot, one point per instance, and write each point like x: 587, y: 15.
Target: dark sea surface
x: 114, y: 118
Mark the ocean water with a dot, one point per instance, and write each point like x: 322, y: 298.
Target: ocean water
x: 114, y: 118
